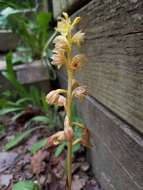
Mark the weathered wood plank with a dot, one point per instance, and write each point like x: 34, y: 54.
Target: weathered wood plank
x: 8, y: 40
x: 117, y: 155
x: 114, y: 46
x: 30, y: 73
x: 118, y: 150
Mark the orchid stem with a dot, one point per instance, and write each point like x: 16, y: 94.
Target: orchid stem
x: 69, y: 152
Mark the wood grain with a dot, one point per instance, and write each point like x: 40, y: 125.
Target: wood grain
x: 117, y: 154
x: 114, y: 47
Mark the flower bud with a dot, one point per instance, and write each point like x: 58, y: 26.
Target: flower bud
x: 76, y: 21
x: 66, y: 122
x: 65, y: 15
x: 85, y: 141
x: 68, y: 133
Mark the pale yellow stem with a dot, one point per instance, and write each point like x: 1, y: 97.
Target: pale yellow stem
x: 69, y: 153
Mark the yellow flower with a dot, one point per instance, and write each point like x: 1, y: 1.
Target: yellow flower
x: 76, y: 21
x: 65, y: 25
x: 78, y: 38
x: 77, y: 61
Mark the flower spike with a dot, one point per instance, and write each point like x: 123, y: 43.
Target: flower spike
x: 66, y: 42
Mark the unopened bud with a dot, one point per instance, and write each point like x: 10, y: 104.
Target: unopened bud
x: 66, y: 122
x: 76, y: 21
x: 85, y: 141
x: 65, y: 15
x: 68, y: 133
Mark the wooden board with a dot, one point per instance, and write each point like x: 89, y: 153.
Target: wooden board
x: 114, y: 47
x: 117, y: 154
x: 29, y: 73
x: 8, y: 40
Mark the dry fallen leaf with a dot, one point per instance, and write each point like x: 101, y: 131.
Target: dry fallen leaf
x: 78, y: 183
x: 37, y: 161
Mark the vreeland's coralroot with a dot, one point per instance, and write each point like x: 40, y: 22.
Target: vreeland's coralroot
x: 63, y: 56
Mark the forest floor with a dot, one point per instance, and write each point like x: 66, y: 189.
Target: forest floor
x: 44, y: 167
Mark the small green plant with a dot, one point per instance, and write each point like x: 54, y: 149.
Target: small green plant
x: 29, y: 100
x: 65, y: 44
x: 15, y: 4
x: 26, y: 185
x: 34, y: 30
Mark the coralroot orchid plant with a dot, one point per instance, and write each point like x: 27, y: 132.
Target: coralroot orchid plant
x: 63, y: 55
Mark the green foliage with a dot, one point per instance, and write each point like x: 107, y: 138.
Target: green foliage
x: 40, y: 119
x: 77, y: 134
x: 26, y: 185
x: 60, y: 149
x: 2, y: 129
x: 34, y: 31
x: 9, y: 110
x: 10, y: 75
x: 16, y: 4
x: 33, y: 28
x: 32, y: 96
x: 38, y: 145
x: 20, y: 137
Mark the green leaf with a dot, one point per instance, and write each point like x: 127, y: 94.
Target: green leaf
x: 43, y: 20
x: 9, y: 110
x: 19, y: 138
x: 41, y: 119
x: 60, y: 149
x: 2, y: 129
x: 16, y: 116
x: 26, y: 185
x: 23, y: 100
x: 38, y: 145
x: 35, y: 96
x: 38, y: 119
x: 75, y: 148
x: 10, y: 75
